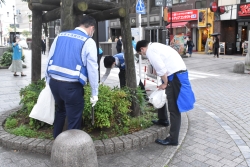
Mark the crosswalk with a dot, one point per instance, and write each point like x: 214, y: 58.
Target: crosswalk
x: 113, y: 78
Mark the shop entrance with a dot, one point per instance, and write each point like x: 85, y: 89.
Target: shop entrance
x: 244, y: 33
x: 204, y: 36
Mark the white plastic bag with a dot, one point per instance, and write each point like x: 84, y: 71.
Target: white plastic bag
x: 158, y: 98
x: 44, y: 109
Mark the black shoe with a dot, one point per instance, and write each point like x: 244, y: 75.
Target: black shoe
x: 161, y: 122
x: 166, y: 142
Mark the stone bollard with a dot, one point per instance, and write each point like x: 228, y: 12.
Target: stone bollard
x: 239, y: 67
x: 73, y: 148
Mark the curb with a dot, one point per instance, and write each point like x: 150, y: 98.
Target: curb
x: 103, y: 147
x: 170, y: 151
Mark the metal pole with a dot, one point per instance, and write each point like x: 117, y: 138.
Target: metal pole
x: 14, y: 19
x: 164, y: 25
x: 148, y: 12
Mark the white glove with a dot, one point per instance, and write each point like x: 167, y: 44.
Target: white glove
x: 93, y: 100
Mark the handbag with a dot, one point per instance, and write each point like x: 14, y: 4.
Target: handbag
x: 158, y: 98
x: 44, y: 109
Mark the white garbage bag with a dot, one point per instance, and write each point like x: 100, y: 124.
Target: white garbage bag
x: 158, y: 98
x: 44, y: 109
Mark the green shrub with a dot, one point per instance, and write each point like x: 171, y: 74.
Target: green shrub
x: 112, y: 111
x: 26, y: 131
x: 112, y: 107
x: 11, y: 123
x: 29, y: 96
x: 6, y: 59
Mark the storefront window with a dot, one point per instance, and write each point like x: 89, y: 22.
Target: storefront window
x: 244, y: 1
x: 179, y: 1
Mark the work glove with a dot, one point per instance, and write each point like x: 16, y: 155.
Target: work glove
x: 93, y: 100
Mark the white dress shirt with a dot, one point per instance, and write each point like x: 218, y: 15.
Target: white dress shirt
x: 89, y: 59
x: 164, y: 59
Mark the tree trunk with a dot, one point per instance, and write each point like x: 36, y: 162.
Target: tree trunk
x: 109, y: 14
x: 42, y: 7
x: 68, y: 19
x: 51, y: 15
x: 129, y: 56
x: 50, y: 2
x: 36, y: 45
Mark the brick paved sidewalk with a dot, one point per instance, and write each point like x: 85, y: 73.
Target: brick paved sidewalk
x: 207, y: 144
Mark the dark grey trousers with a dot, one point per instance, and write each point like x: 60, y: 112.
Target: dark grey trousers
x: 172, y: 92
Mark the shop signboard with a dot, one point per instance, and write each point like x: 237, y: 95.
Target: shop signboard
x: 160, y: 3
x: 244, y: 10
x: 186, y: 15
x: 202, y: 21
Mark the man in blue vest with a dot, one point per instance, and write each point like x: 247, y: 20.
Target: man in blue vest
x: 72, y: 60
x: 117, y: 61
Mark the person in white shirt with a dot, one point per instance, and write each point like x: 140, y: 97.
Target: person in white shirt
x: 171, y: 68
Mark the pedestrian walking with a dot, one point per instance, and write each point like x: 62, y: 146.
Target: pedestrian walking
x: 133, y: 42
x: 17, y: 63
x: 216, y: 46
x: 72, y: 61
x: 190, y: 45
x: 100, y: 52
x: 119, y: 45
x: 43, y: 43
x: 171, y: 68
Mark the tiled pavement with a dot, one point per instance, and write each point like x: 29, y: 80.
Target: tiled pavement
x: 218, y: 133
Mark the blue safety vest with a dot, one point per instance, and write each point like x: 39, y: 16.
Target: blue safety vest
x: 68, y: 60
x: 120, y: 56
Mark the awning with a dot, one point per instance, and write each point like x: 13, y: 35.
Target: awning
x: 177, y: 25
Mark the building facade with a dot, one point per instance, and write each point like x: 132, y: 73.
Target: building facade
x: 191, y: 17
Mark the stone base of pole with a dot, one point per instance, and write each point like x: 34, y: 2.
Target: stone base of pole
x: 73, y: 148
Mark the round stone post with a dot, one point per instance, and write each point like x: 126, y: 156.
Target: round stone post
x: 73, y: 148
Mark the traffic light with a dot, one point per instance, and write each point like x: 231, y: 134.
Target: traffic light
x: 165, y: 14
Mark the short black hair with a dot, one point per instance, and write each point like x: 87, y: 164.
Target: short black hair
x: 108, y: 61
x: 142, y: 43
x: 133, y: 38
x: 88, y: 21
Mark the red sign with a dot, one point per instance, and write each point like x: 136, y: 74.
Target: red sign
x: 185, y: 15
x: 244, y: 10
x: 213, y: 7
x: 222, y: 9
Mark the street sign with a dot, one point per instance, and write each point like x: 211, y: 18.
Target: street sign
x: 140, y: 7
x: 160, y: 3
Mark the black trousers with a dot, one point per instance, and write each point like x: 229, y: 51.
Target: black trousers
x: 122, y: 78
x: 69, y: 103
x: 216, y: 52
x: 119, y: 50
x: 172, y: 92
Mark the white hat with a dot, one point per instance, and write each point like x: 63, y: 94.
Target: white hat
x: 158, y: 98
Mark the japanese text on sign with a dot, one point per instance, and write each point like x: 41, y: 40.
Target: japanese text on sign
x: 244, y: 10
x: 185, y: 15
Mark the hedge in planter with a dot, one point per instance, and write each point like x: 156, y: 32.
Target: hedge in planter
x: 112, y: 112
